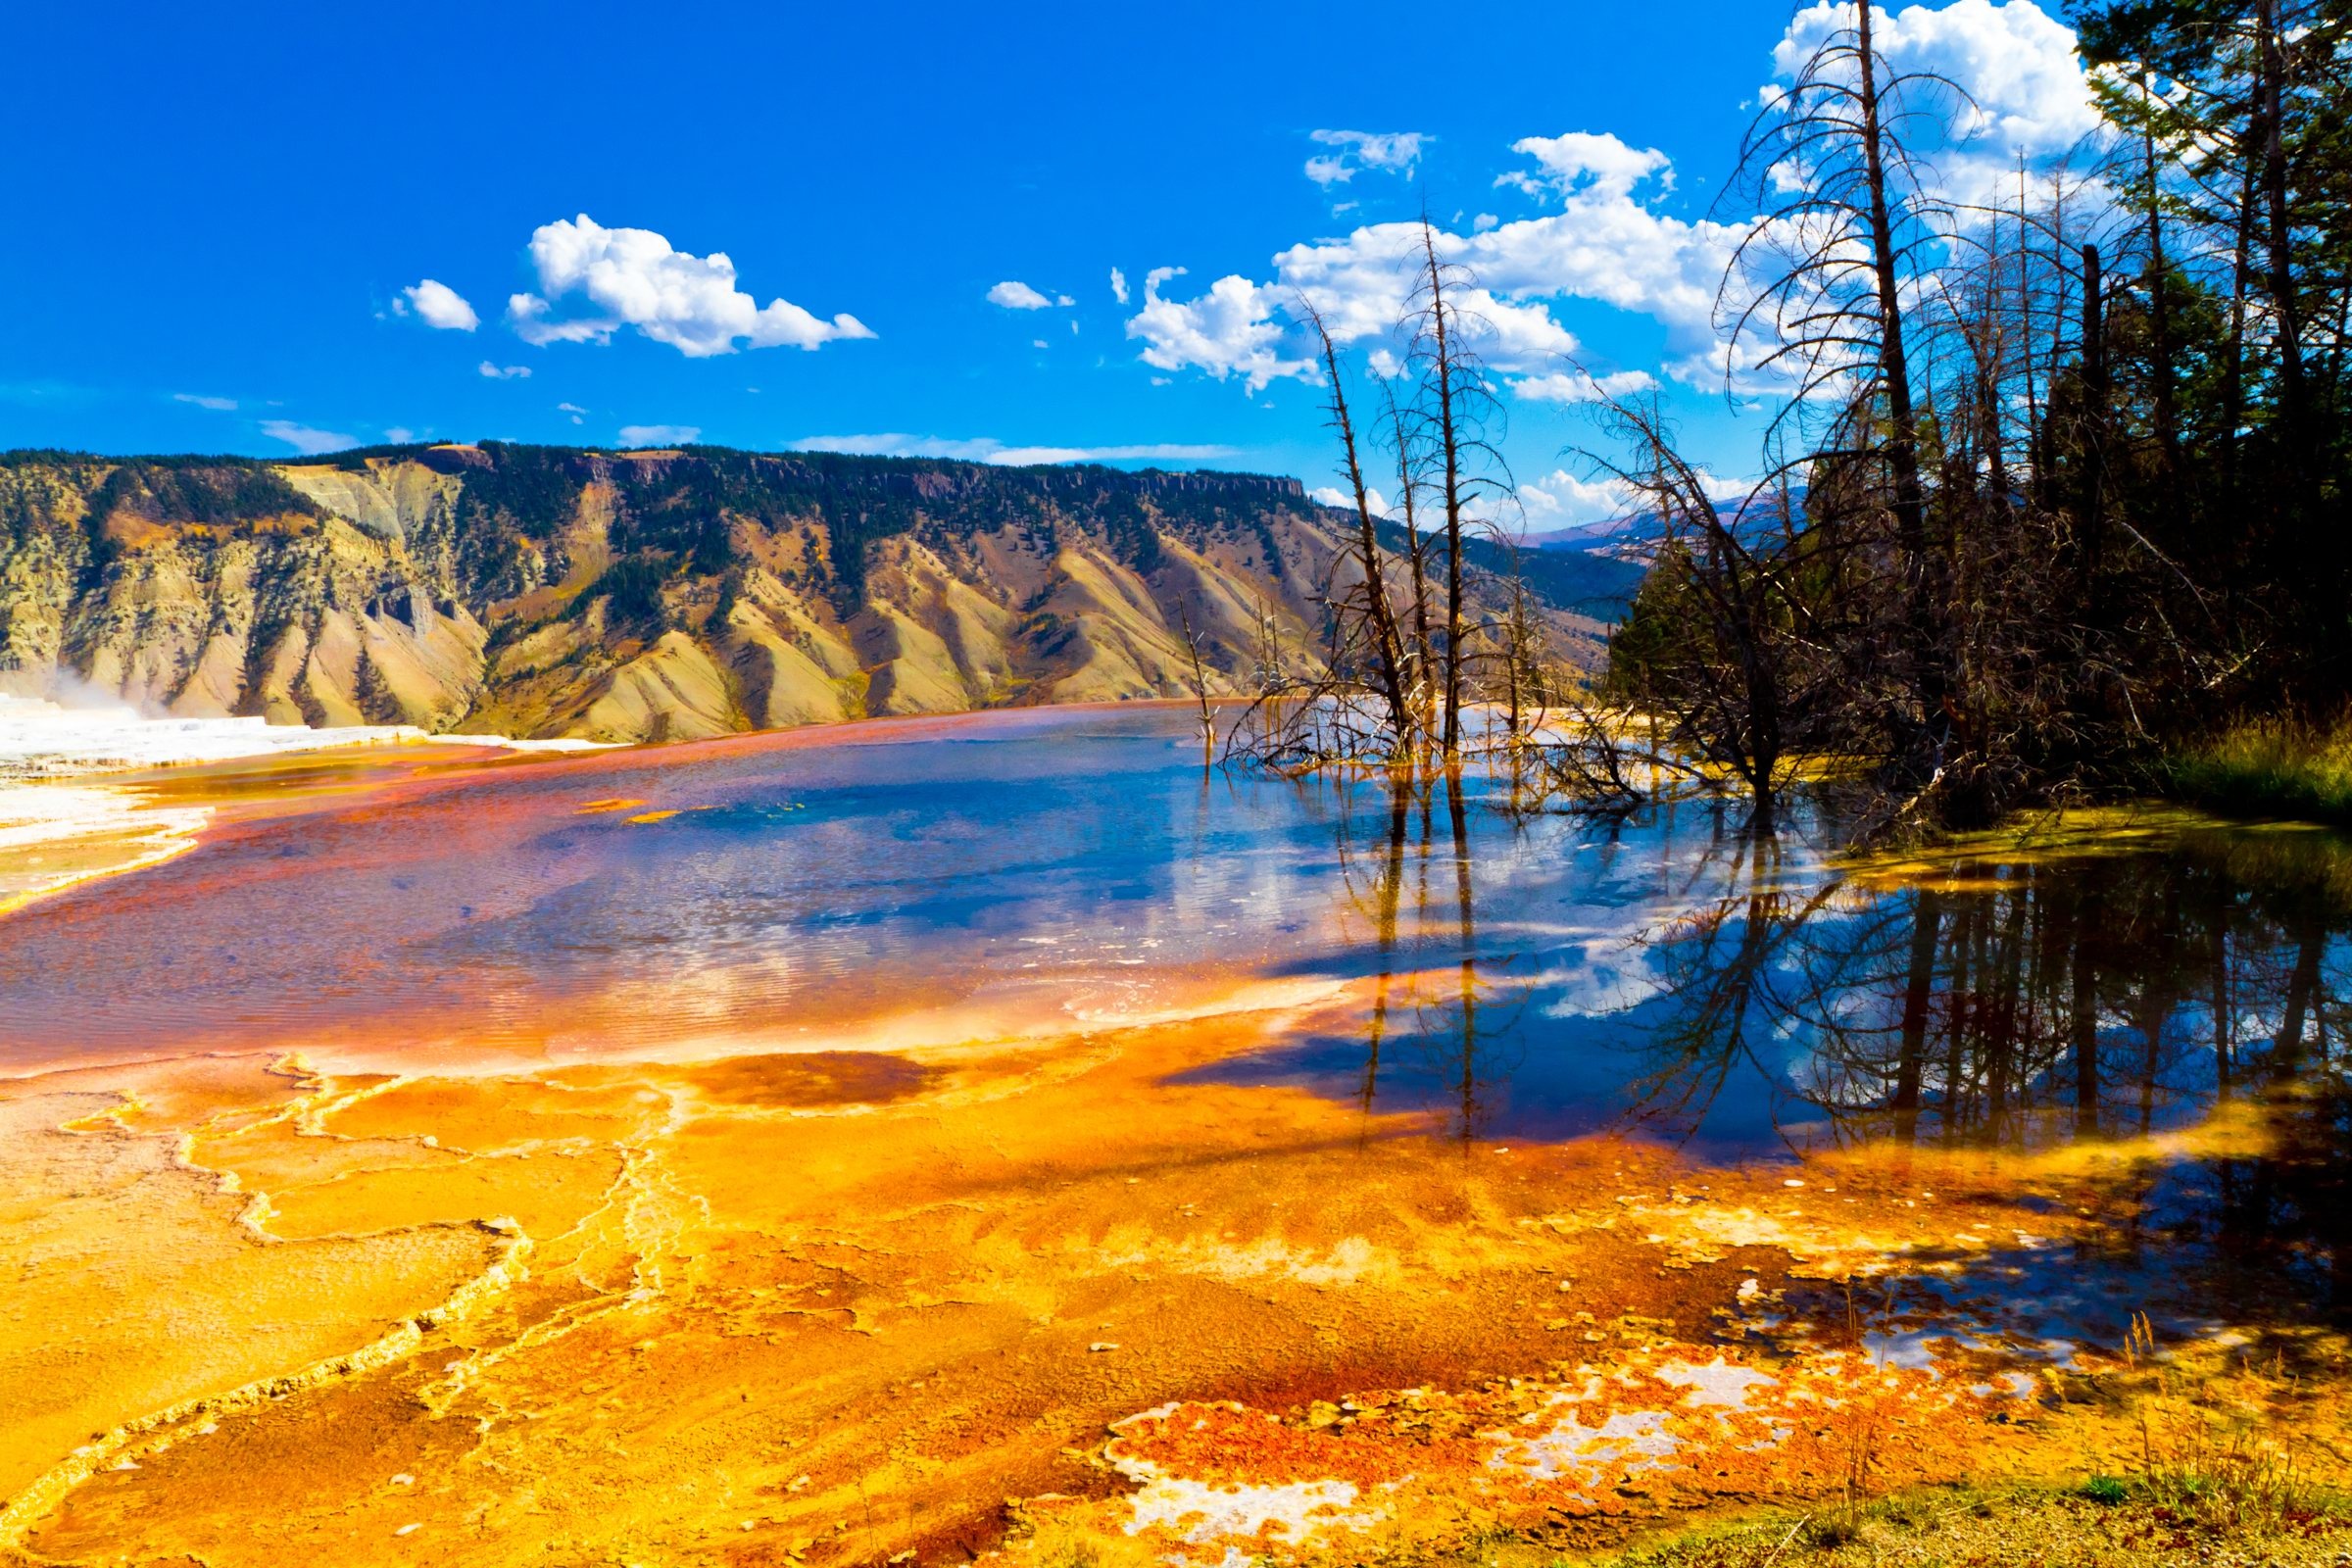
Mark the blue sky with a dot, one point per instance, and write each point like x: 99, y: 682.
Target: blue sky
x: 219, y: 219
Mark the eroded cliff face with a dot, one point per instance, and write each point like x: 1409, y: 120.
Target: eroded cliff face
x: 645, y: 596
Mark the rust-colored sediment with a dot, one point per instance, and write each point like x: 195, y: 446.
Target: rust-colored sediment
x: 841, y: 1305
x: 838, y: 1304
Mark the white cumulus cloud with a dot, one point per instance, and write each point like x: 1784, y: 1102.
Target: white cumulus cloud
x: 2015, y: 61
x: 1562, y: 498
x: 506, y: 372
x: 1395, y: 152
x: 1607, y: 228
x: 659, y: 435
x: 305, y: 439
x: 635, y: 278
x: 437, y: 306
x: 1118, y: 285
x: 1230, y: 330
x: 1582, y: 160
x: 1608, y: 240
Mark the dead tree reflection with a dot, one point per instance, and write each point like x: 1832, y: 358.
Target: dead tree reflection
x: 1725, y: 965
x: 1996, y: 1000
x: 1433, y: 1010
x: 2022, y: 1003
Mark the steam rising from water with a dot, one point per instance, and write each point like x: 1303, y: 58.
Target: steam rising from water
x: 54, y: 833
x: 40, y: 739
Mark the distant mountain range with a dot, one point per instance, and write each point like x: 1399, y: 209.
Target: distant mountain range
x: 1616, y: 538
x: 548, y: 591
x: 1636, y: 536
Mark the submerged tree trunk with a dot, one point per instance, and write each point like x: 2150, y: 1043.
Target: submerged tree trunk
x: 2286, y: 1054
x: 1469, y: 939
x: 2083, y: 1019
x: 1388, y: 893
x: 1927, y: 922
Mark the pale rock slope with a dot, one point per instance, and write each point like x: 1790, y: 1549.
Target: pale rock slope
x: 537, y: 591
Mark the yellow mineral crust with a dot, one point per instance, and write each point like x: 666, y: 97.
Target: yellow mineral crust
x: 834, y: 1304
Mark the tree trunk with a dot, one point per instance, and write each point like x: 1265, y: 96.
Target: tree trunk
x: 1894, y: 370
x: 1464, y: 914
x: 1424, y: 659
x: 1386, y: 656
x: 2233, y: 374
x: 1450, y: 450
x: 2091, y: 497
x: 2164, y: 372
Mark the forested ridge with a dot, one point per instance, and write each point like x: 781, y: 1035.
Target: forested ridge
x: 2057, y: 485
x: 2053, y: 459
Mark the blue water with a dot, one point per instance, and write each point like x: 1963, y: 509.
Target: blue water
x: 1669, y: 976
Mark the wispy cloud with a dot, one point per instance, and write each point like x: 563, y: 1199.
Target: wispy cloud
x: 506, y: 372
x: 217, y: 405
x: 987, y: 449
x: 1392, y: 152
x: 305, y: 439
x: 38, y: 392
x: 659, y: 435
x: 1578, y: 386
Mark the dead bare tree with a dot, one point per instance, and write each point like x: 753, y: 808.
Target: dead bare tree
x: 1815, y: 295
x: 1191, y: 644
x: 1457, y: 411
x: 1743, y: 673
x: 1404, y: 438
x: 1387, y: 646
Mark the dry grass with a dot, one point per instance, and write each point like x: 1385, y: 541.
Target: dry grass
x: 2219, y: 1480
x: 2269, y: 767
x: 2220, y: 1453
x: 1065, y: 1543
x: 1949, y: 1526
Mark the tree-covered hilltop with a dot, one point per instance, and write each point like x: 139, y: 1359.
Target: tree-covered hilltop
x: 641, y: 594
x: 2061, y: 487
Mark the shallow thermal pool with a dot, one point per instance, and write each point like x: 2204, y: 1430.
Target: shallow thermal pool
x: 758, y: 1086
x: 1535, y: 975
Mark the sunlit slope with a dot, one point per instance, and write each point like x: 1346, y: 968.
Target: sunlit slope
x: 544, y: 591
